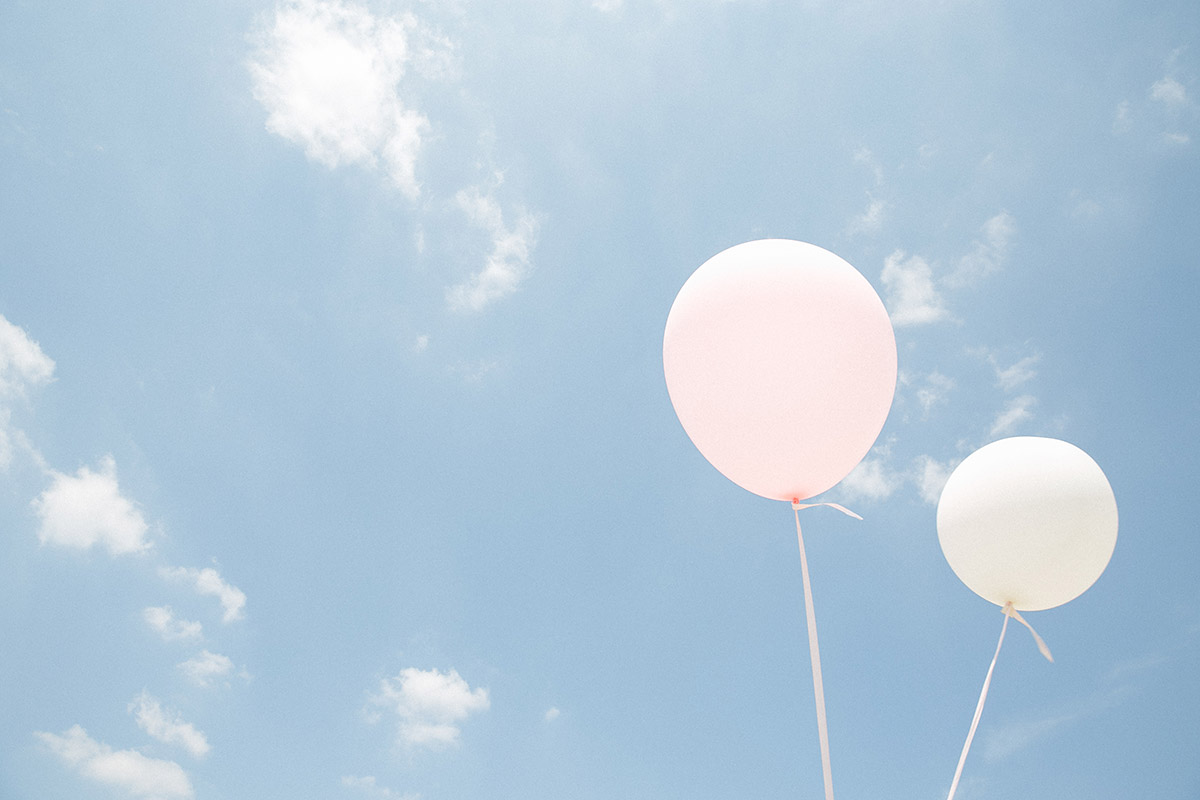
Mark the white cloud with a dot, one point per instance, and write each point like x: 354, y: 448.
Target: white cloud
x: 171, y: 628
x: 1017, y: 411
x: 22, y: 362
x: 1011, y: 377
x: 912, y: 298
x: 86, y: 509
x: 371, y: 788
x: 871, y: 219
x: 328, y: 74
x: 930, y: 476
x: 429, y: 704
x: 208, y: 581
x: 608, y: 6
x: 205, y: 668
x: 422, y: 343
x: 871, y: 480
x: 988, y: 253
x: 1177, y: 138
x: 510, y: 248
x: 1123, y: 118
x: 6, y: 444
x: 552, y: 714
x: 1169, y: 92
x: 128, y: 771
x: 167, y: 726
x: 1007, y: 739
x: 936, y: 387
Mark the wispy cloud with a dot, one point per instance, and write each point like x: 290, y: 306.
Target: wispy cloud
x: 167, y: 726
x: 871, y: 219
x: 371, y: 788
x: 127, y: 771
x: 172, y: 629
x: 552, y: 714
x: 1015, y: 412
x: 1009, y: 378
x: 871, y: 480
x: 22, y: 362
x: 509, y: 250
x: 930, y: 476
x: 1005, y: 740
x: 328, y: 74
x: 86, y: 509
x: 1170, y: 92
x: 429, y: 705
x: 934, y: 390
x: 912, y: 297
x: 988, y: 253
x: 206, y: 668
x: 209, y: 582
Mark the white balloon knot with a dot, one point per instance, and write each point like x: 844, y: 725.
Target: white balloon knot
x: 795, y: 504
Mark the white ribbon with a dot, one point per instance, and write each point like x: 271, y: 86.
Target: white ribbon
x: 1009, y: 611
x: 814, y: 652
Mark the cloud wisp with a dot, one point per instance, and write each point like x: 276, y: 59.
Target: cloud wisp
x: 22, y: 362
x: 86, y: 509
x: 429, y: 705
x: 128, y: 771
x: 209, y: 582
x: 205, y: 669
x: 912, y: 297
x: 508, y: 258
x: 329, y: 73
x: 167, y: 726
x: 871, y: 480
x: 368, y: 785
x: 988, y: 253
x: 172, y: 629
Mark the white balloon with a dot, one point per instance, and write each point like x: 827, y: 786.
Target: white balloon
x: 1028, y: 520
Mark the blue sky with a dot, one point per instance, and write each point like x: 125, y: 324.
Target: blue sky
x: 337, y: 457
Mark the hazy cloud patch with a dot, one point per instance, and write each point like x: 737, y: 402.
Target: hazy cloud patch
x: 163, y: 620
x: 509, y: 250
x: 930, y: 476
x: 871, y: 480
x: 369, y: 786
x: 429, y: 705
x: 87, y: 508
x: 167, y: 726
x: 328, y: 74
x: 128, y: 771
x: 205, y: 669
x: 22, y: 362
x: 1017, y: 411
x: 912, y: 298
x: 988, y: 253
x: 209, y: 582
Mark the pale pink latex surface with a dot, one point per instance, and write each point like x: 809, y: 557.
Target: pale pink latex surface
x: 781, y: 364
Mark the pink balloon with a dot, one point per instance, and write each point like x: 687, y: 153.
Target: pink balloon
x: 781, y: 364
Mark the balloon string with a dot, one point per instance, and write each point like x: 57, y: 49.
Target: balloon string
x: 1012, y: 612
x: 962, y: 759
x: 815, y: 653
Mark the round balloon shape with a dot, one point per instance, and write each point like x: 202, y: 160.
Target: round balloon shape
x: 781, y: 364
x: 1028, y: 520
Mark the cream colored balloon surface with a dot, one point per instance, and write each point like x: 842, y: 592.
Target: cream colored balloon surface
x: 1028, y: 520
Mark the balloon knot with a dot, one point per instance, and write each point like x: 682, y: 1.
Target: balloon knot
x: 795, y: 503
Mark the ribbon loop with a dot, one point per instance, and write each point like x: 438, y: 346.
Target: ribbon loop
x: 1041, y: 644
x: 797, y: 506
